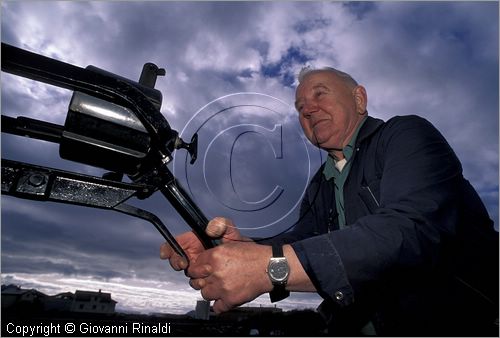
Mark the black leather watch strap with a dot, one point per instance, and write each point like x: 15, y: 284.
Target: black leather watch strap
x: 279, y: 291
x: 277, y: 250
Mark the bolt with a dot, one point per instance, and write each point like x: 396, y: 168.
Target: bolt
x: 36, y: 180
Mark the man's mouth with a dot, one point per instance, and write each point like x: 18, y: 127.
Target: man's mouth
x: 316, y: 123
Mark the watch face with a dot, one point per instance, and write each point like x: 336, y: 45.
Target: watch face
x: 278, y: 270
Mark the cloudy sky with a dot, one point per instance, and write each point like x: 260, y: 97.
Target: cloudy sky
x: 230, y: 77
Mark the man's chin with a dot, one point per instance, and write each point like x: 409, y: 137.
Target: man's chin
x: 326, y: 147
x: 324, y: 143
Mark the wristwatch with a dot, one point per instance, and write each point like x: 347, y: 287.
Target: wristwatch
x: 278, y: 272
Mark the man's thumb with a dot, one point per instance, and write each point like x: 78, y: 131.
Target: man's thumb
x: 223, y: 227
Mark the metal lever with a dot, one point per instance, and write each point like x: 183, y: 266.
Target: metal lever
x: 152, y: 218
x: 149, y: 73
x: 47, y: 184
x: 192, y: 148
x: 24, y: 126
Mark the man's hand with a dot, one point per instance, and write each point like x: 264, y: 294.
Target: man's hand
x: 234, y: 272
x: 231, y: 274
x: 218, y: 227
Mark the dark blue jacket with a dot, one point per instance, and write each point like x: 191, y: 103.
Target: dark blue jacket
x: 419, y: 250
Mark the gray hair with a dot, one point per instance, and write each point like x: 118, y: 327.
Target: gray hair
x: 308, y: 70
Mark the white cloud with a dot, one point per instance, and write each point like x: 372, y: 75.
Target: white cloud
x: 209, y: 51
x: 137, y: 294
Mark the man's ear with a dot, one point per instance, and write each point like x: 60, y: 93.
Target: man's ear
x: 361, y: 99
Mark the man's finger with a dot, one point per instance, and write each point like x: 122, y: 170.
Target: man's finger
x: 217, y: 227
x: 199, y: 271
x: 176, y: 261
x: 197, y: 283
x: 220, y: 306
x: 166, y: 251
x: 223, y: 227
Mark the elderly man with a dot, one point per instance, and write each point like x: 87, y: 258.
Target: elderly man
x: 391, y: 235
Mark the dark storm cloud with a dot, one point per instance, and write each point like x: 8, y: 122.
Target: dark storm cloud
x: 360, y: 8
x: 45, y: 238
x: 74, y: 230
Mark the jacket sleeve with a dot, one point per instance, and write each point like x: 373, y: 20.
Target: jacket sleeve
x: 419, y: 185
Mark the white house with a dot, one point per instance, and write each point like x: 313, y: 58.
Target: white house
x: 90, y: 301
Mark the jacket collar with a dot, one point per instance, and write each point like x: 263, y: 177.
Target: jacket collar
x: 370, y: 126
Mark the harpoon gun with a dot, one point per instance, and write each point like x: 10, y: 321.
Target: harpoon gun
x: 112, y: 123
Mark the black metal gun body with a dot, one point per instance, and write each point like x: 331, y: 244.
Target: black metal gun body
x: 112, y: 123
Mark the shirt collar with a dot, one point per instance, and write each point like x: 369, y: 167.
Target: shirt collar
x: 349, y: 148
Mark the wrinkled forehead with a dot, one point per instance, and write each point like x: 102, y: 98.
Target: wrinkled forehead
x: 316, y: 78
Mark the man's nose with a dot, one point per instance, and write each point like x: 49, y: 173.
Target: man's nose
x: 309, y: 108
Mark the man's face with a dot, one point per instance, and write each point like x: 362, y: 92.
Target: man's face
x: 329, y: 111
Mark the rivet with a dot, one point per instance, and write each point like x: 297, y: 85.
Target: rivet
x: 36, y: 180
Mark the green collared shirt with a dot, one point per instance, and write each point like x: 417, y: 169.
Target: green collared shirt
x: 339, y: 170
